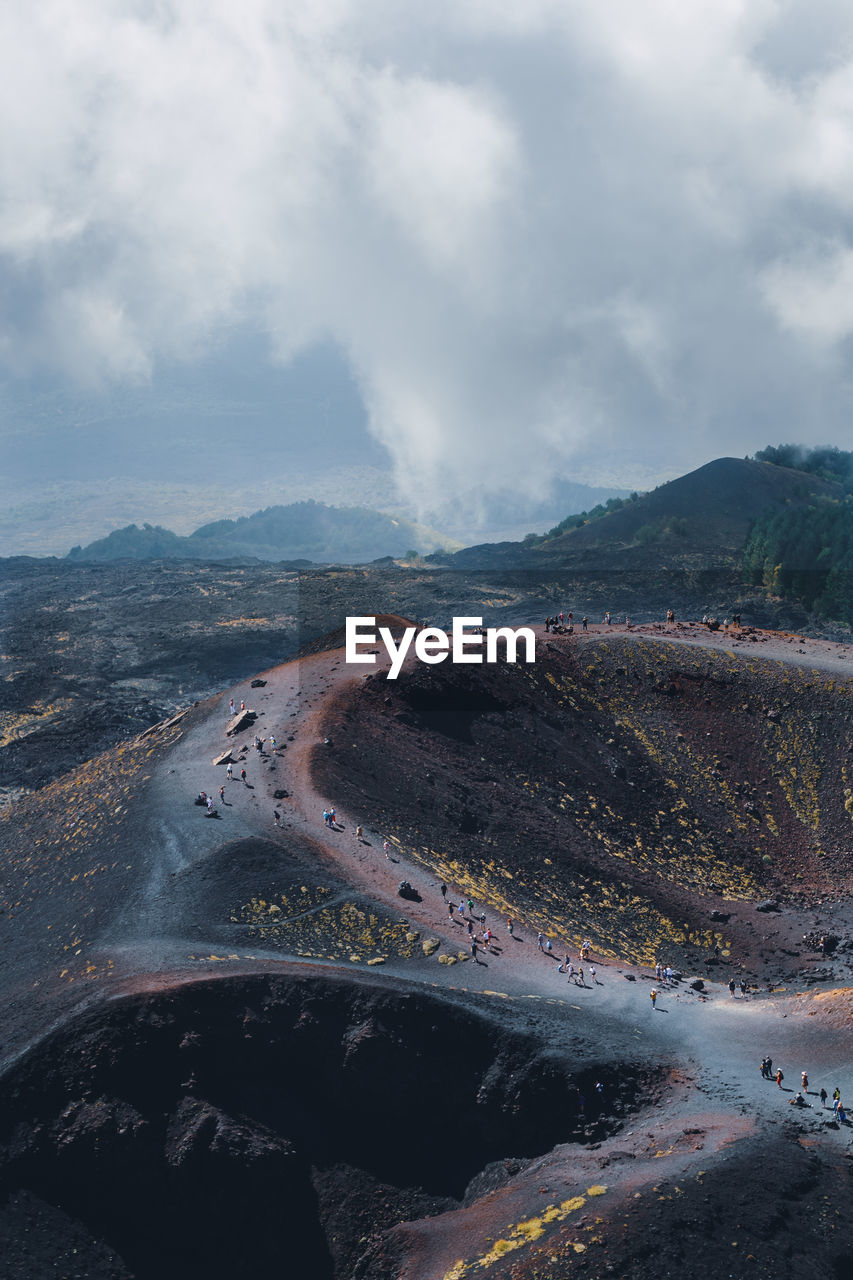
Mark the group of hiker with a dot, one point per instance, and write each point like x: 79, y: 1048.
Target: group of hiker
x: 261, y: 745
x: 799, y: 1099
x: 483, y: 936
x: 563, y: 624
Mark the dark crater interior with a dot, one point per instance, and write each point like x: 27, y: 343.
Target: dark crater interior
x: 221, y: 1127
x: 450, y: 707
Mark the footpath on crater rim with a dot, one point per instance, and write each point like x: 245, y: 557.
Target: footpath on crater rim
x: 226, y: 1021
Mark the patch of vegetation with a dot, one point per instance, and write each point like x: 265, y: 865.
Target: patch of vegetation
x: 675, y: 526
x: 583, y: 517
x: 827, y: 462
x: 805, y: 554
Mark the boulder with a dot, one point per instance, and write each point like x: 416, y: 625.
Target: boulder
x: 242, y: 720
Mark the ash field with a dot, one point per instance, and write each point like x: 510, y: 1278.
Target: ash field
x: 231, y: 1048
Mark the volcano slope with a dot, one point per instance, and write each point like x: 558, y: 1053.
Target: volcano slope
x: 229, y: 1046
x: 622, y: 788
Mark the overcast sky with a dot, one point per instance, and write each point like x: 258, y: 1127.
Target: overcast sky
x: 600, y: 238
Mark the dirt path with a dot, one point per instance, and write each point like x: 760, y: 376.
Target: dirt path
x: 719, y: 1040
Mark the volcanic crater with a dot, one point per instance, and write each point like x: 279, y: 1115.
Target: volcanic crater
x: 230, y: 1047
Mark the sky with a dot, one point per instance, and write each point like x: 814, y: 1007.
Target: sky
x: 472, y: 243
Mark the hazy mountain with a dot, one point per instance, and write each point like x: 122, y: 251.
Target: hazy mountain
x: 301, y: 531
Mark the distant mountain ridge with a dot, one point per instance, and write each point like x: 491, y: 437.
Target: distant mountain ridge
x: 301, y: 531
x: 700, y: 520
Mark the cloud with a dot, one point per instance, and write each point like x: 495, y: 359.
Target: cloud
x: 546, y: 238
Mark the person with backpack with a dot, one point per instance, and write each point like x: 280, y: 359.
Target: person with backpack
x: 780, y: 1077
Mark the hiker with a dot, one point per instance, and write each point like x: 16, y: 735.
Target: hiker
x: 592, y: 974
x: 764, y: 1068
x: 805, y: 1082
x: 386, y: 849
x: 731, y: 986
x: 797, y: 1101
x: 474, y: 948
x: 230, y: 772
x: 580, y: 977
x: 276, y: 817
x: 540, y: 940
x: 222, y: 795
x: 780, y: 1077
x: 509, y: 925
x: 823, y: 1098
x: 232, y: 707
x: 359, y: 833
x: 450, y: 910
x: 653, y: 996
x: 243, y: 775
x: 584, y: 623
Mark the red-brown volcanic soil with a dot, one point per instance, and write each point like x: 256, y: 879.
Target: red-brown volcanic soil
x: 230, y: 1047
